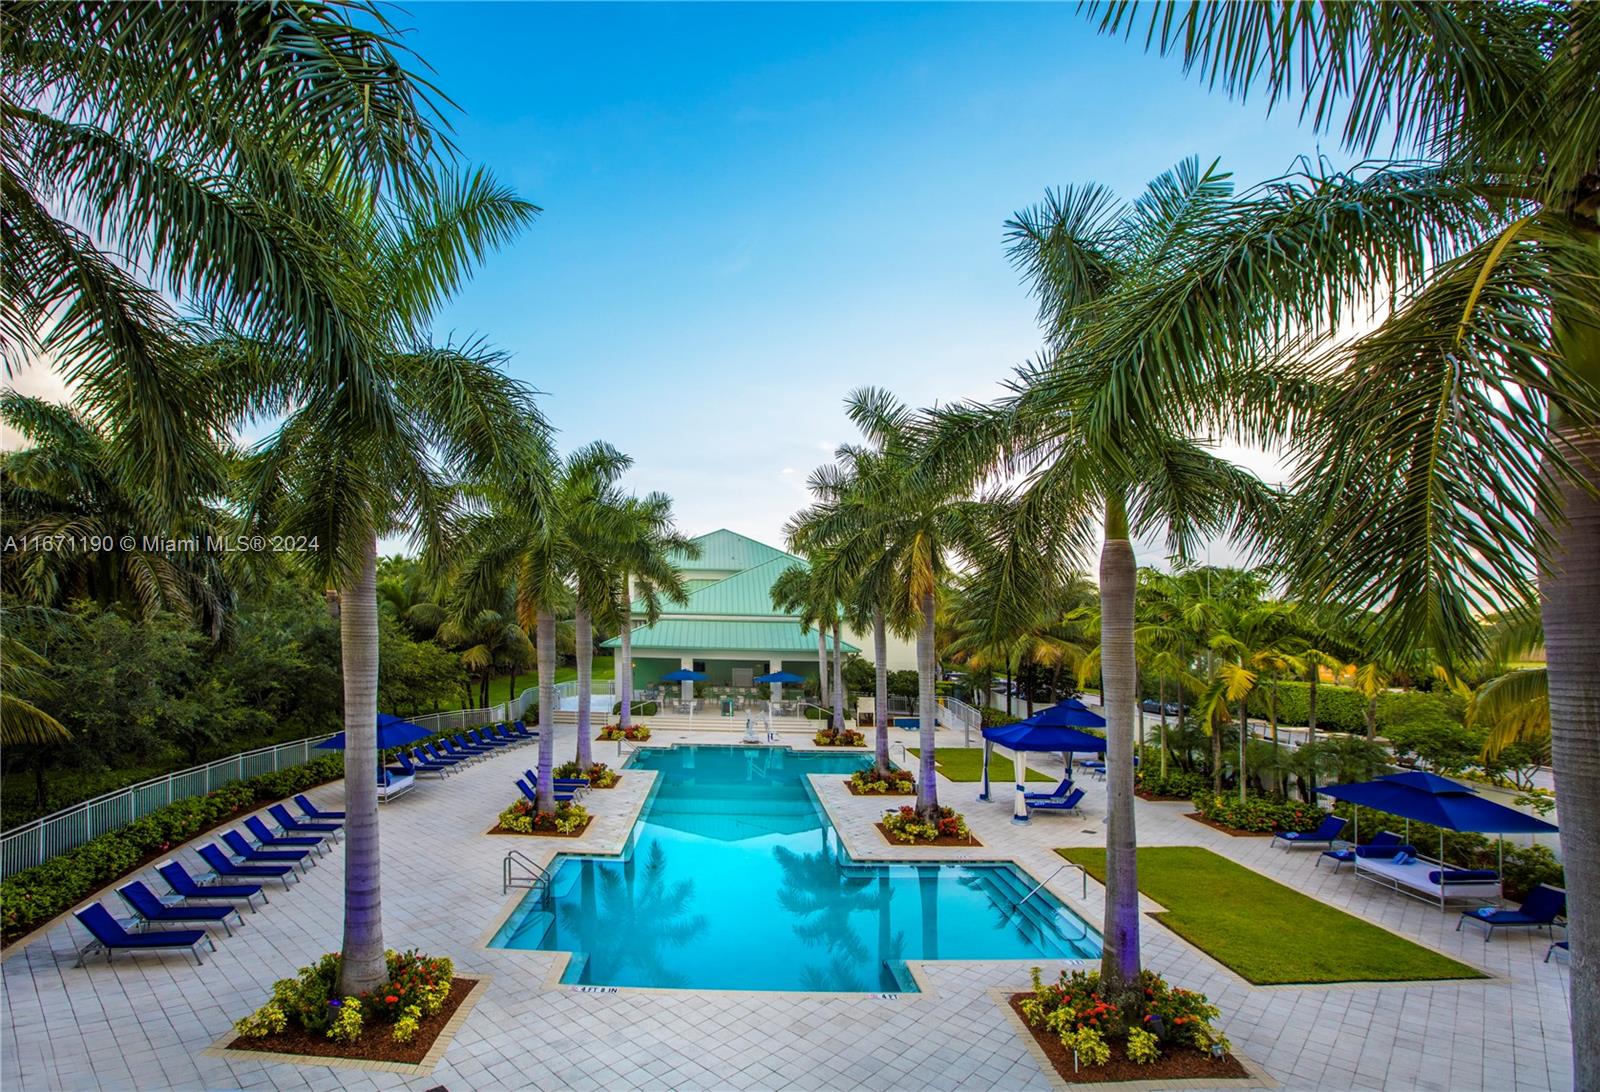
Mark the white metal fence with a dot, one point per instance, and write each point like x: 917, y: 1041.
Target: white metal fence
x: 38, y: 841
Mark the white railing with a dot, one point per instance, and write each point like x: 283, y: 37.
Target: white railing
x: 958, y: 714
x: 36, y: 842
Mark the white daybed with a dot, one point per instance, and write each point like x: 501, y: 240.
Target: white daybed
x: 1430, y: 880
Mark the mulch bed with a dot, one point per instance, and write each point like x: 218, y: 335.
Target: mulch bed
x: 848, y: 746
x: 1142, y: 795
x: 603, y: 738
x: 1175, y: 1063
x: 942, y: 840
x: 1198, y: 818
x: 376, y: 1043
x: 851, y: 785
x: 498, y: 829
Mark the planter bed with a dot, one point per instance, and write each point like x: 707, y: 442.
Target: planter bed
x: 498, y: 829
x: 376, y: 1043
x: 943, y: 841
x: 851, y: 785
x: 1198, y: 818
x: 1175, y: 1064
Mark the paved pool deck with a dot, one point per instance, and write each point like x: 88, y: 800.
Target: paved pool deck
x: 147, y: 1022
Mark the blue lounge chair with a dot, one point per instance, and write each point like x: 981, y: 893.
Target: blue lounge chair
x: 501, y: 732
x: 1056, y: 793
x: 528, y: 790
x: 109, y: 936
x: 488, y: 739
x: 471, y: 746
x: 148, y: 905
x: 223, y: 866
x: 241, y: 848
x: 269, y: 840
x: 462, y: 752
x: 522, y: 731
x: 1068, y: 803
x: 573, y: 786
x: 438, y: 754
x: 290, y: 825
x: 404, y: 765
x: 184, y: 886
x: 423, y: 764
x: 315, y: 813
x: 1541, y: 908
x: 1325, y: 833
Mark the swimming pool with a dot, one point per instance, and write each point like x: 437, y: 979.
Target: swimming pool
x: 733, y: 878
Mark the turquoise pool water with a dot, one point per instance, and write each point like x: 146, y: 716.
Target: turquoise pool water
x: 734, y: 879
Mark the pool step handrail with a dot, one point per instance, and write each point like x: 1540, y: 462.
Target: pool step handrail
x: 1038, y: 886
x: 905, y: 756
x: 518, y: 870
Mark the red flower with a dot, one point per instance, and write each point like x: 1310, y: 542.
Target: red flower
x: 391, y: 999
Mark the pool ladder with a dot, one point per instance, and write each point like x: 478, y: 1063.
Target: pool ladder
x: 518, y: 870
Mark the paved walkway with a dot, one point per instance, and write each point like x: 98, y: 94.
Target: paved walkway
x: 143, y: 1022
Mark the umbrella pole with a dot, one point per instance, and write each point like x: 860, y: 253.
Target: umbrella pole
x: 1019, y: 810
x: 988, y: 749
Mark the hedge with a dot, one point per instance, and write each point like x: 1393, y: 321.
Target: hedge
x: 40, y: 893
x: 1343, y: 709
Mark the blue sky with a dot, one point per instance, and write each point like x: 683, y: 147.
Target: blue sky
x: 752, y: 209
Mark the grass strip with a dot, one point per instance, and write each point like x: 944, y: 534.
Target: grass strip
x: 966, y: 764
x: 1265, y: 932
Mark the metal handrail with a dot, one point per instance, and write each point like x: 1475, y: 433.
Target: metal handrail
x: 1053, y: 875
x: 905, y: 756
x: 537, y: 877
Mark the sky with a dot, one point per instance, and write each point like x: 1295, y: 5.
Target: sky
x: 751, y: 210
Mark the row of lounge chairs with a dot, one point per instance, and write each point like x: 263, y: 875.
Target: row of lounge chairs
x: 446, y: 755
x: 1388, y: 861
x: 1062, y: 798
x: 567, y: 789
x: 277, y: 855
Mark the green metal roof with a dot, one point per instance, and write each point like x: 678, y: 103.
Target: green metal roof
x: 689, y: 634
x: 729, y: 551
x: 748, y: 593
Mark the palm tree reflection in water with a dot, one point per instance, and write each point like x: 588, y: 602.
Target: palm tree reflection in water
x: 652, y: 913
x: 823, y: 895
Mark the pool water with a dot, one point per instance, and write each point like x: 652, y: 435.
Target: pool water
x: 733, y: 878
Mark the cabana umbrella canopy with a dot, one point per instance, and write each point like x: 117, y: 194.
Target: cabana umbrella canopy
x: 780, y: 677
x: 393, y: 732
x: 683, y: 674
x: 1052, y: 729
x: 1024, y: 736
x: 1429, y: 798
x: 1071, y: 713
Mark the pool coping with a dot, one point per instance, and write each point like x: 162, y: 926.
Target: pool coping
x: 918, y: 969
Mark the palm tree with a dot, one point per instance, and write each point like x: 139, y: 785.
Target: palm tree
x: 1461, y: 436
x: 642, y: 558
x: 24, y: 680
x: 170, y: 138
x: 490, y: 643
x: 550, y: 547
x: 361, y: 454
x: 901, y: 538
x: 1102, y: 447
x: 796, y: 591
x: 1514, y: 702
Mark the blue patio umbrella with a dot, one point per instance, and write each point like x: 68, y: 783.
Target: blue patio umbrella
x: 1053, y: 729
x: 393, y: 732
x: 780, y: 677
x: 683, y: 674
x: 1429, y: 798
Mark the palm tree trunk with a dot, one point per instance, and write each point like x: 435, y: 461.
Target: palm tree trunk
x: 822, y: 667
x: 1027, y: 683
x: 1120, y: 961
x: 511, y: 694
x: 1008, y: 687
x: 1244, y: 740
x: 880, y: 691
x: 927, y: 784
x: 1372, y: 717
x: 585, y: 641
x: 362, y: 967
x: 546, y: 637
x: 624, y: 671
x: 1311, y: 727
x: 1569, y: 586
x: 1161, y: 699
x: 838, y: 680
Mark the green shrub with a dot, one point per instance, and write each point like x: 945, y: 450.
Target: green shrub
x: 1258, y: 814
x: 838, y: 737
x: 648, y: 709
x: 1177, y: 784
x: 909, y: 825
x: 40, y: 893
x: 1343, y: 709
x: 998, y: 718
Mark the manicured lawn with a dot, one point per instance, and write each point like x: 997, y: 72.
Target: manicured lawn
x: 966, y: 764
x: 1266, y: 932
x: 500, y: 689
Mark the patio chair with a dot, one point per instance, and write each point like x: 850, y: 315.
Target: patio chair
x: 109, y: 936
x: 1325, y: 833
x: 392, y: 784
x: 484, y: 739
x: 1056, y: 793
x: 290, y: 825
x: 223, y: 866
x: 315, y: 813
x: 523, y: 731
x: 1068, y: 803
x: 501, y: 732
x: 1386, y: 843
x: 470, y: 745
x: 563, y: 796
x: 263, y: 834
x: 1540, y: 909
x: 241, y: 848
x: 149, y: 906
x: 405, y: 767
x: 449, y: 750
x: 438, y: 754
x: 577, y: 786
x: 421, y: 764
x: 185, y: 886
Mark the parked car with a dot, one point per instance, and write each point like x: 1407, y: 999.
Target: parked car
x: 1173, y: 709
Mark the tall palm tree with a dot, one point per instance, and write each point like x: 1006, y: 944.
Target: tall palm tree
x: 1104, y: 451
x: 547, y: 546
x: 1461, y: 436
x: 168, y: 140
x: 797, y: 591
x: 489, y: 643
x: 365, y: 453
x: 920, y: 518
x: 643, y: 555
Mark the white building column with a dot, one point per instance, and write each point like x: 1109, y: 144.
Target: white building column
x: 773, y: 667
x: 686, y: 687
